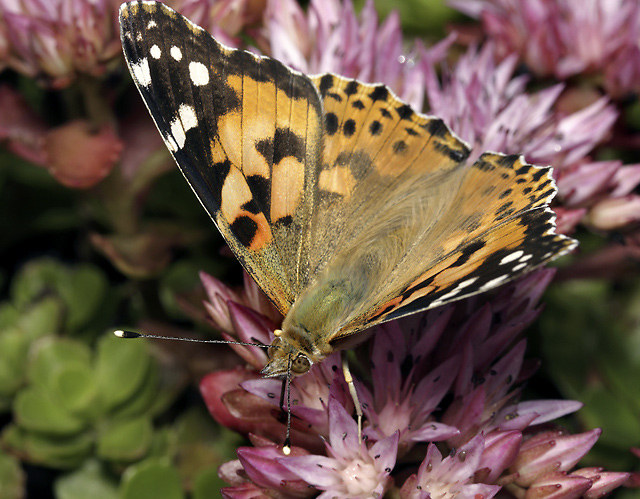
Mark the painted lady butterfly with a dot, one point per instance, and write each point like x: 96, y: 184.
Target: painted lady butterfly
x: 346, y: 206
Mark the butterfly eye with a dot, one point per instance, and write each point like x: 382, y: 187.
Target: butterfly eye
x: 301, y: 364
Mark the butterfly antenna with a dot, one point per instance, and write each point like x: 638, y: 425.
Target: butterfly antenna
x: 286, y: 448
x: 130, y: 334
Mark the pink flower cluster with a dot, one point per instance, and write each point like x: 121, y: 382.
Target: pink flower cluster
x: 566, y: 38
x: 448, y: 380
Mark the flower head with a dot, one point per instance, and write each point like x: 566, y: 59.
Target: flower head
x: 58, y: 40
x: 450, y: 477
x: 351, y: 468
x: 330, y: 37
x: 450, y: 375
x: 564, y: 38
x: 488, y: 107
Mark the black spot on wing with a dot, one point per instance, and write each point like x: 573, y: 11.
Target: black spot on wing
x: 265, y: 148
x: 380, y: 92
x: 456, y: 155
x: 331, y: 123
x: 349, y: 127
x: 467, y: 251
x: 539, y: 174
x: 404, y: 112
x: 285, y: 221
x: 244, y: 228
x: 411, y: 131
x: 399, y: 147
x: 352, y: 88
x: 286, y: 144
x: 260, y: 188
x: 375, y: 128
x: 436, y: 127
x: 507, y: 161
x: 326, y: 83
x: 483, y: 165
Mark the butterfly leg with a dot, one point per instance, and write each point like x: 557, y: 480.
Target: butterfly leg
x: 354, y: 394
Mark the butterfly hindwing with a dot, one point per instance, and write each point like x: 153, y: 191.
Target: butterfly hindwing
x: 244, y: 130
x: 374, y: 147
x: 512, y: 234
x: 417, y: 227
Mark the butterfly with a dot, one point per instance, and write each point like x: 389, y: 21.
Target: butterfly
x: 346, y: 206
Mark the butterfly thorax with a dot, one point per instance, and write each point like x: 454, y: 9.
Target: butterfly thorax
x: 312, y: 327
x: 292, y: 353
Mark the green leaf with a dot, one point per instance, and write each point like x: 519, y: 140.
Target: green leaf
x: 144, y: 400
x: 150, y: 480
x: 51, y: 355
x: 37, y: 278
x: 81, y: 288
x: 9, y: 315
x: 122, y: 367
x: 85, y: 292
x: 12, y: 478
x: 89, y: 481
x: 77, y: 391
x: 52, y: 451
x: 125, y: 440
x: 42, y: 318
x: 36, y: 410
x: 14, y: 346
x: 207, y: 484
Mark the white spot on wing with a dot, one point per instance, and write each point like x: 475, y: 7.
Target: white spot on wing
x: 513, y: 256
x: 519, y: 267
x: 466, y: 283
x: 177, y: 132
x: 152, y: 24
x: 188, y: 117
x: 176, y: 53
x: 185, y: 121
x: 141, y: 72
x: 494, y: 282
x: 444, y: 298
x: 199, y: 73
x: 526, y: 258
x: 171, y: 144
x: 450, y: 294
x: 155, y: 52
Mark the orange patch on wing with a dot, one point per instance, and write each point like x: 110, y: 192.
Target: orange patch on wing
x: 263, y: 236
x: 338, y: 180
x: 286, y: 188
x: 230, y: 133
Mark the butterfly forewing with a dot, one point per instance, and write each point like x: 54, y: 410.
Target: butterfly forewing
x: 345, y: 205
x: 244, y: 130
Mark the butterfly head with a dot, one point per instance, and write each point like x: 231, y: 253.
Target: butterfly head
x: 286, y: 357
